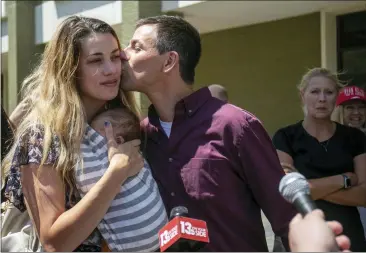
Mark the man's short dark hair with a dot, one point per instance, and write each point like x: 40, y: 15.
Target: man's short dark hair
x: 176, y: 34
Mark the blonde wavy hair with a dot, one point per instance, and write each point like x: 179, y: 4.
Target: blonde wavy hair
x: 323, y: 72
x: 52, y: 96
x: 337, y: 114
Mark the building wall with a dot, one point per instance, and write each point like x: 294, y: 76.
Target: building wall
x: 261, y: 65
x: 26, y: 45
x: 133, y: 11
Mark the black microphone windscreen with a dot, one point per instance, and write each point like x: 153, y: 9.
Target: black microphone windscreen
x: 178, y: 211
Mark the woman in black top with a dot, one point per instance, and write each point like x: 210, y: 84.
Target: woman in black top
x: 330, y: 155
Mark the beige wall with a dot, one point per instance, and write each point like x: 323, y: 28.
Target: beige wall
x: 261, y: 65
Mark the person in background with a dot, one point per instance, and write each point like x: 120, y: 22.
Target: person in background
x: 351, y: 111
x: 330, y: 155
x: 312, y: 234
x: 214, y: 158
x: 7, y: 129
x: 219, y: 91
x: 6, y: 142
x: 351, y: 108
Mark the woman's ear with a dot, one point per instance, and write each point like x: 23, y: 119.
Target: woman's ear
x: 302, y: 94
x: 171, y: 61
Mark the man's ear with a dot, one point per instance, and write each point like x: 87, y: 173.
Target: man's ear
x: 171, y: 61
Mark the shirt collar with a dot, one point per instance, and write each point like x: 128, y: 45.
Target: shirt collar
x: 187, y: 106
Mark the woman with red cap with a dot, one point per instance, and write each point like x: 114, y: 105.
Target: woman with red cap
x: 351, y: 107
x: 351, y: 111
x: 331, y: 156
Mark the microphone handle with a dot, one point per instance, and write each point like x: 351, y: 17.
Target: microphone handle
x: 304, y: 204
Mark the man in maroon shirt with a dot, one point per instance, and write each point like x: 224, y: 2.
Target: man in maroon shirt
x: 207, y: 155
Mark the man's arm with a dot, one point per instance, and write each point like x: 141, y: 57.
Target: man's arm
x: 263, y: 170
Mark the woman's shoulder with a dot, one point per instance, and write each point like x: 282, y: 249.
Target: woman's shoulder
x: 290, y: 130
x: 29, y: 148
x: 31, y: 143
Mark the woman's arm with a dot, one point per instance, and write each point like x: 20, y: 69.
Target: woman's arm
x: 61, y: 230
x: 18, y: 114
x: 355, y: 196
x: 58, y: 229
x: 320, y: 187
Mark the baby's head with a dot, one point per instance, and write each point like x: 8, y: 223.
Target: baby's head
x: 125, y: 124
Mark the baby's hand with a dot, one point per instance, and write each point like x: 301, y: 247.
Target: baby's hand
x: 124, y: 157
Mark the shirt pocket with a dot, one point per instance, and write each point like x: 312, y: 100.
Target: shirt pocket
x: 201, y: 177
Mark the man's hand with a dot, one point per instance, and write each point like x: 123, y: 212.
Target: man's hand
x: 313, y: 234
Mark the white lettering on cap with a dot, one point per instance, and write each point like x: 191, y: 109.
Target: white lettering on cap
x: 348, y: 91
x: 359, y: 92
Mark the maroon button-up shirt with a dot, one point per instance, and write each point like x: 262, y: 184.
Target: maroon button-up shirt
x: 219, y: 162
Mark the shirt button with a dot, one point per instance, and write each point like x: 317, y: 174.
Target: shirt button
x: 189, y: 111
x: 170, y: 159
x: 173, y: 194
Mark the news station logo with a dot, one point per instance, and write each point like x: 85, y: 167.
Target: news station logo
x: 182, y: 227
x: 187, y: 228
x: 168, y: 235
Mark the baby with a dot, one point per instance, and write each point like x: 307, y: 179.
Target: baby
x: 137, y: 212
x: 125, y: 124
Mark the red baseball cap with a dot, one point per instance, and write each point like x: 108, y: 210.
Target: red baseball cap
x: 351, y: 93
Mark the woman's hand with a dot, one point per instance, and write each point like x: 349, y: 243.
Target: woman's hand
x: 125, y: 158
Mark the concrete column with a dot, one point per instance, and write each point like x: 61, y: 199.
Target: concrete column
x: 22, y: 48
x: 328, y: 36
x: 131, y: 12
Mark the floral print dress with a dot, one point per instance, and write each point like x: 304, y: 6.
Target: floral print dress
x: 29, y: 150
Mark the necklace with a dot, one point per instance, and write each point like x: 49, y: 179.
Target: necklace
x: 324, y: 144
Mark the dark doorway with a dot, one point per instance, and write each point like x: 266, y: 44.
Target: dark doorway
x: 351, y: 48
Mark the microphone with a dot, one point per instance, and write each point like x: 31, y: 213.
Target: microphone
x: 183, y: 233
x: 295, y: 189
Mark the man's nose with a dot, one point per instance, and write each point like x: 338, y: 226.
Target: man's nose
x: 123, y: 56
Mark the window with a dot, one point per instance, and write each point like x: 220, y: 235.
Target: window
x: 351, y: 48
